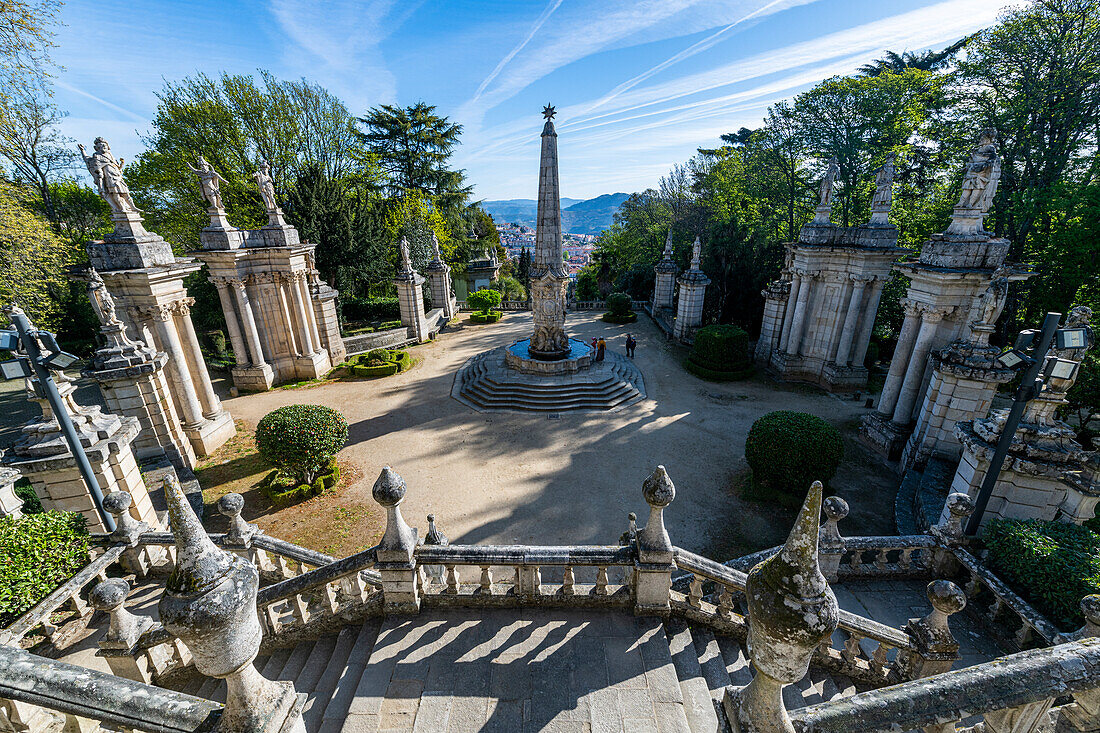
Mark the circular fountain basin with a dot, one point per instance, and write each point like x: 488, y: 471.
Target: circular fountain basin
x: 518, y: 356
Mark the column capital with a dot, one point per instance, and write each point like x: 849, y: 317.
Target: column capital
x: 912, y: 307
x: 935, y: 314
x: 159, y: 312
x: 260, y: 278
x: 182, y: 306
x: 860, y: 279
x: 237, y: 283
x: 219, y: 281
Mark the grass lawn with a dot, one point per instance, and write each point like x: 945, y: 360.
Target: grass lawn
x: 329, y: 523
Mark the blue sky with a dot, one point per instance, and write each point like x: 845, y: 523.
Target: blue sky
x: 639, y: 84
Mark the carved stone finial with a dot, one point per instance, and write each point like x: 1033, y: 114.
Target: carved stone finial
x: 127, y: 529
x: 240, y: 532
x: 835, y: 509
x: 951, y: 528
x: 1090, y: 609
x: 125, y: 627
x: 791, y: 611
x: 933, y: 646
x: 433, y: 536
x: 389, y: 490
x: 659, y: 491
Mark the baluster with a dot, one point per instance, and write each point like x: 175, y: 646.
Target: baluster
x: 906, y: 560
x: 880, y: 559
x: 262, y: 560
x: 171, y: 557
x: 856, y: 560
x: 516, y: 580
x: 995, y: 609
x: 48, y: 626
x: 852, y: 649
x: 878, y: 658
x: 601, y: 581
x: 1023, y: 634
x: 825, y: 646
x: 486, y: 580
x: 182, y: 652
x: 725, y: 602
x: 300, y: 608
x: 351, y: 588
x: 422, y: 579
x: 695, y: 593
x: 973, y: 586
x: 330, y: 598
x: 284, y: 567
x: 452, y: 580
x: 101, y: 576
x: 274, y: 623
x: 78, y: 603
x: 567, y: 581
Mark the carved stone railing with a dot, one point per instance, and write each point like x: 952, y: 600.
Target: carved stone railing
x: 124, y: 704
x: 69, y: 594
x: 714, y: 595
x: 510, y: 575
x: 895, y: 557
x: 1012, y: 693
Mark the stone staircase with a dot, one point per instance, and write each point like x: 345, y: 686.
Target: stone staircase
x: 518, y: 671
x: 487, y: 384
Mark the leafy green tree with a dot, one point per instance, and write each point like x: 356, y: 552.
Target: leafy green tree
x: 925, y: 61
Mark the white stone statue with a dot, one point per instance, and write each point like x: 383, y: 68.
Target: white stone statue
x: 208, y: 180
x: 436, y: 255
x: 668, y: 245
x: 102, y: 302
x: 831, y: 172
x: 983, y: 173
x: 696, y: 253
x: 406, y: 260
x: 267, y: 187
x: 992, y: 301
x: 884, y: 185
x: 107, y: 175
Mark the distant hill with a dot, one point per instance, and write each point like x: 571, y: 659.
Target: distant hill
x: 578, y: 216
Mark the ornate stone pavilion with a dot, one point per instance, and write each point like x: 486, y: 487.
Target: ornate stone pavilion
x: 951, y: 287
x: 281, y: 322
x: 548, y: 372
x: 818, y: 317
x: 145, y: 279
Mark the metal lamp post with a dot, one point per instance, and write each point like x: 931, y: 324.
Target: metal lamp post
x: 39, y: 363
x: 1030, y: 386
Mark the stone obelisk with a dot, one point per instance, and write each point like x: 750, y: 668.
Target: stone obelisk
x: 548, y: 277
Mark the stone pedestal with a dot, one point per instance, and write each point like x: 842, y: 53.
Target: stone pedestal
x: 154, y: 307
x: 132, y: 380
x: 410, y: 300
x: 439, y: 281
x: 965, y: 376
x: 664, y: 285
x: 689, y: 308
x: 945, y: 293
x: 821, y: 321
x: 10, y: 504
x: 273, y: 308
x: 44, y: 458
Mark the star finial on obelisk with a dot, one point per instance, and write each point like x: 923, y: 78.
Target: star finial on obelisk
x: 548, y: 112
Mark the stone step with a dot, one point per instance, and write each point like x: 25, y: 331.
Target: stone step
x: 610, y: 399
x: 275, y: 662
x: 315, y: 664
x: 578, y: 390
x: 698, y: 703
x: 297, y: 660
x: 314, y: 710
x: 337, y: 708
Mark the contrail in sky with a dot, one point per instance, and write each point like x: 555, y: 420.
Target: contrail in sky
x: 512, y: 54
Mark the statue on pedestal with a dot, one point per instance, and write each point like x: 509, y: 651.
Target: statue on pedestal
x: 979, y: 186
x: 107, y: 175
x: 883, y: 198
x: 208, y: 180
x: 267, y: 193
x: 825, y: 204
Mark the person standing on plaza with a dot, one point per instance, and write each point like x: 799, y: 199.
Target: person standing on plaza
x: 631, y: 344
x: 601, y: 347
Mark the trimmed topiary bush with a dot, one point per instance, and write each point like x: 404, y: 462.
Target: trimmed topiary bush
x: 282, y: 490
x: 1053, y: 565
x: 300, y: 440
x: 618, y: 303
x: 720, y: 353
x: 378, y: 363
x: 490, y: 317
x: 484, y: 300
x: 40, y: 551
x: 788, y: 451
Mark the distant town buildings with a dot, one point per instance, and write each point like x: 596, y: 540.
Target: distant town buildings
x: 516, y: 237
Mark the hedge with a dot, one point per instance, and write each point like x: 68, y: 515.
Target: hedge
x: 40, y: 551
x: 490, y: 317
x: 280, y: 491
x: 384, y: 326
x: 300, y: 440
x: 720, y: 353
x: 1051, y: 564
x: 618, y: 303
x: 788, y: 451
x: 373, y: 364
x: 619, y: 318
x: 370, y: 309
x: 484, y: 300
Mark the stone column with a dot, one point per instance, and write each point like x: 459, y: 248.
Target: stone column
x: 792, y: 611
x: 914, y: 373
x: 308, y: 346
x: 248, y: 319
x: 851, y: 319
x: 788, y: 316
x: 307, y: 310
x: 209, y: 603
x: 293, y: 336
x: 232, y: 322
x: 654, y: 567
x: 187, y: 398
x: 775, y: 303
x: 794, y: 340
x: 889, y: 397
x: 42, y: 455
x: 867, y: 325
x: 212, y: 405
x: 396, y: 563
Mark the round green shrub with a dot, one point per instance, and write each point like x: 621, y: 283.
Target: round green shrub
x: 1053, y: 565
x: 40, y: 551
x: 628, y: 317
x: 720, y: 353
x: 301, y: 439
x: 376, y: 357
x: 484, y: 300
x: 282, y: 491
x: 618, y: 303
x: 788, y: 451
